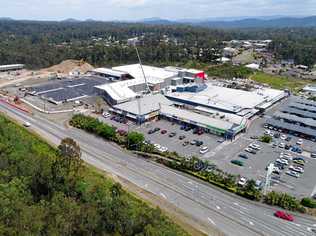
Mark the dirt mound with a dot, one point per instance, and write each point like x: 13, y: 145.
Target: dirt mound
x: 70, y: 66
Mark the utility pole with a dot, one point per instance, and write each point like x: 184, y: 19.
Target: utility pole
x: 141, y: 66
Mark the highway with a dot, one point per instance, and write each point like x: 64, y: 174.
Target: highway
x: 231, y: 214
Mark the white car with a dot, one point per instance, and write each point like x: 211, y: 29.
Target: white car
x: 282, y: 161
x: 293, y: 173
x: 271, y: 134
x: 282, y: 145
x: 106, y: 114
x: 242, y: 181
x: 286, y: 156
x: 27, y: 124
x: 299, y: 142
x: 283, y: 137
x: 267, y: 132
x: 157, y: 146
x: 255, y: 146
x: 298, y: 169
x: 163, y: 149
x: 204, y: 150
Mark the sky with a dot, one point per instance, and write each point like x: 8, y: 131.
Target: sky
x: 139, y: 9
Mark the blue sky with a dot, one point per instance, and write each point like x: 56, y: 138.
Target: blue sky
x: 139, y: 9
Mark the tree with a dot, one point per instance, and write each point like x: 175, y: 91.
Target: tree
x: 134, y: 140
x: 71, y: 154
x: 266, y: 139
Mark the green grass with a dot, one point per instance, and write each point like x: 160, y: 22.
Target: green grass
x: 279, y: 82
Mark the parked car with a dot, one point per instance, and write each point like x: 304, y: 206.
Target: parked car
x: 293, y: 173
x: 243, y: 155
x: 250, y: 150
x: 283, y: 215
x: 237, y: 162
x: 288, y: 139
x: 299, y: 141
x: 283, y: 137
x: 156, y: 129
x: 186, y: 143
x: 199, y: 143
x: 181, y: 137
x: 193, y: 142
x: 187, y: 128
x: 299, y: 162
x: 313, y: 155
x: 297, y: 169
x: 281, y: 145
x: 151, y: 131
x: 106, y: 114
x: 255, y: 146
x: 204, y: 150
x: 163, y: 131
x: 242, y: 181
x: 282, y: 161
x: 171, y: 135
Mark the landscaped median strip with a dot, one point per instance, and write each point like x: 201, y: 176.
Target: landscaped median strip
x: 193, y: 166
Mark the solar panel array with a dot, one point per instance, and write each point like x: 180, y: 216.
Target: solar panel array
x: 65, y: 90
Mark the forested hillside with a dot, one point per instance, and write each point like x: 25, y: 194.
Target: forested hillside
x: 42, y: 44
x: 44, y: 191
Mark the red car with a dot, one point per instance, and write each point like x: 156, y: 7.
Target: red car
x: 163, y: 131
x: 283, y: 215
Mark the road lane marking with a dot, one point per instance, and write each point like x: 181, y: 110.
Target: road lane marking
x: 218, y: 207
x: 210, y: 220
x: 251, y: 223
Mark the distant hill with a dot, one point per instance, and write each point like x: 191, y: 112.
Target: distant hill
x: 230, y: 22
x: 259, y: 23
x: 6, y: 19
x: 71, y: 20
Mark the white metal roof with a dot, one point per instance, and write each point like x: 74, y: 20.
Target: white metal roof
x: 253, y: 66
x: 195, y: 117
x: 118, y: 92
x: 109, y: 72
x: 147, y: 104
x: 228, y: 99
x: 7, y: 67
x: 153, y: 74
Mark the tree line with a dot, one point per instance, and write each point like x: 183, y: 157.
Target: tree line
x: 48, y: 191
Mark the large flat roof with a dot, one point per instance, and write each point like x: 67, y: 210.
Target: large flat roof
x: 144, y: 105
x: 197, y: 118
x: 109, y: 72
x: 227, y: 99
x: 153, y: 74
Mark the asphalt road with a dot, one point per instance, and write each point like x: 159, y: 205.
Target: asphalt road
x: 231, y: 214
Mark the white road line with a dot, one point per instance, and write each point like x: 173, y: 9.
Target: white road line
x: 251, y: 223
x: 218, y: 207
x: 210, y: 220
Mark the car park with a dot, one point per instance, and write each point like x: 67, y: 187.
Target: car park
x: 283, y: 215
x: 204, y: 150
x: 237, y: 162
x: 193, y: 142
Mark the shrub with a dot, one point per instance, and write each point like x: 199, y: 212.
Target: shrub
x: 266, y: 139
x: 308, y: 202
